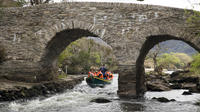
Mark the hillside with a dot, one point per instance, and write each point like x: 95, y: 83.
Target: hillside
x: 176, y: 46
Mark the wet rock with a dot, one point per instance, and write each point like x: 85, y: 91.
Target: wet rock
x: 177, y: 73
x: 180, y: 77
x: 186, y: 93
x: 157, y: 82
x: 157, y: 87
x: 162, y: 99
x: 176, y: 86
x: 100, y: 100
x: 197, y: 103
x: 40, y: 89
x: 172, y: 100
x: 185, y: 80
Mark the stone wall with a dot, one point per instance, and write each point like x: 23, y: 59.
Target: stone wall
x: 34, y: 36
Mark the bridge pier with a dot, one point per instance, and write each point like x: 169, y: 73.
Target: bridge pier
x: 127, y: 81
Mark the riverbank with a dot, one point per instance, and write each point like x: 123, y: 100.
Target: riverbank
x: 12, y: 90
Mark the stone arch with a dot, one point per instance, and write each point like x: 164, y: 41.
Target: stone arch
x: 149, y: 43
x: 56, y: 39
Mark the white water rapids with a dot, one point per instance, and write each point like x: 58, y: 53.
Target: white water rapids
x: 78, y: 100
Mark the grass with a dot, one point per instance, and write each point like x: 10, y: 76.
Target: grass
x: 62, y: 76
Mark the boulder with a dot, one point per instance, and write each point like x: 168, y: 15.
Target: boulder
x: 177, y: 73
x: 186, y: 93
x: 162, y: 99
x: 151, y: 86
x: 100, y: 100
x: 176, y: 86
x: 157, y: 82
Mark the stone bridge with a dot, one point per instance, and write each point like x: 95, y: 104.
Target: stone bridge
x: 33, y: 37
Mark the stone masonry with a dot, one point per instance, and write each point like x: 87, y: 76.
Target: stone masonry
x: 33, y: 37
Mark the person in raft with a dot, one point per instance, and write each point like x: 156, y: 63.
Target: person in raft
x: 103, y: 70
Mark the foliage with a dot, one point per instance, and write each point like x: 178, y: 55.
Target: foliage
x: 193, y: 20
x: 21, y: 3
x: 167, y: 60
x: 12, y: 3
x: 81, y: 54
x: 62, y: 76
x: 184, y: 58
x: 195, y: 65
x: 153, y: 54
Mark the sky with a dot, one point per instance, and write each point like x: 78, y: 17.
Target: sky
x: 185, y: 4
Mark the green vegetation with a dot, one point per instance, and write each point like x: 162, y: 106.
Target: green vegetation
x: 80, y: 55
x: 12, y: 3
x: 193, y: 20
x: 62, y: 76
x: 195, y: 65
x: 170, y: 61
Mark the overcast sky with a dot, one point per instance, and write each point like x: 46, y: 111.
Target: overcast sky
x: 188, y: 4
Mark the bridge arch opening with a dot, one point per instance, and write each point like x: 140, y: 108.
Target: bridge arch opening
x: 54, y: 48
x: 61, y: 41
x: 150, y: 42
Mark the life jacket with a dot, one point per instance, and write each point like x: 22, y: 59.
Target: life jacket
x: 90, y: 73
x: 100, y: 75
x: 107, y: 75
x: 111, y: 76
x: 95, y: 74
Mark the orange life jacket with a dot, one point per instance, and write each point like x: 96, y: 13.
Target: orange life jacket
x: 111, y: 76
x: 99, y: 74
x: 107, y: 75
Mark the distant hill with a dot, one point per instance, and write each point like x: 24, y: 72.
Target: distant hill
x: 177, y: 46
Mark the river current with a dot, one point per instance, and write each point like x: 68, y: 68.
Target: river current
x: 78, y: 100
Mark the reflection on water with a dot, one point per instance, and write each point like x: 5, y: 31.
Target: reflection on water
x: 78, y: 100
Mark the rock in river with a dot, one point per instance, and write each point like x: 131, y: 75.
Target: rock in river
x: 100, y: 100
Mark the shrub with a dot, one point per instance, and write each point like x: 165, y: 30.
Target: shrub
x: 166, y: 60
x: 195, y: 65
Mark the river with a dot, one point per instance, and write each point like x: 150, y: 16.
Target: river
x: 78, y: 100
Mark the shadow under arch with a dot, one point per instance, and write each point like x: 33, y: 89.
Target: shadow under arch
x: 150, y: 42
x: 54, y: 48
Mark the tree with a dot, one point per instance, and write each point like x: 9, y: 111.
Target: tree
x: 81, y: 54
x: 195, y: 65
x: 155, y: 53
x: 169, y: 60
